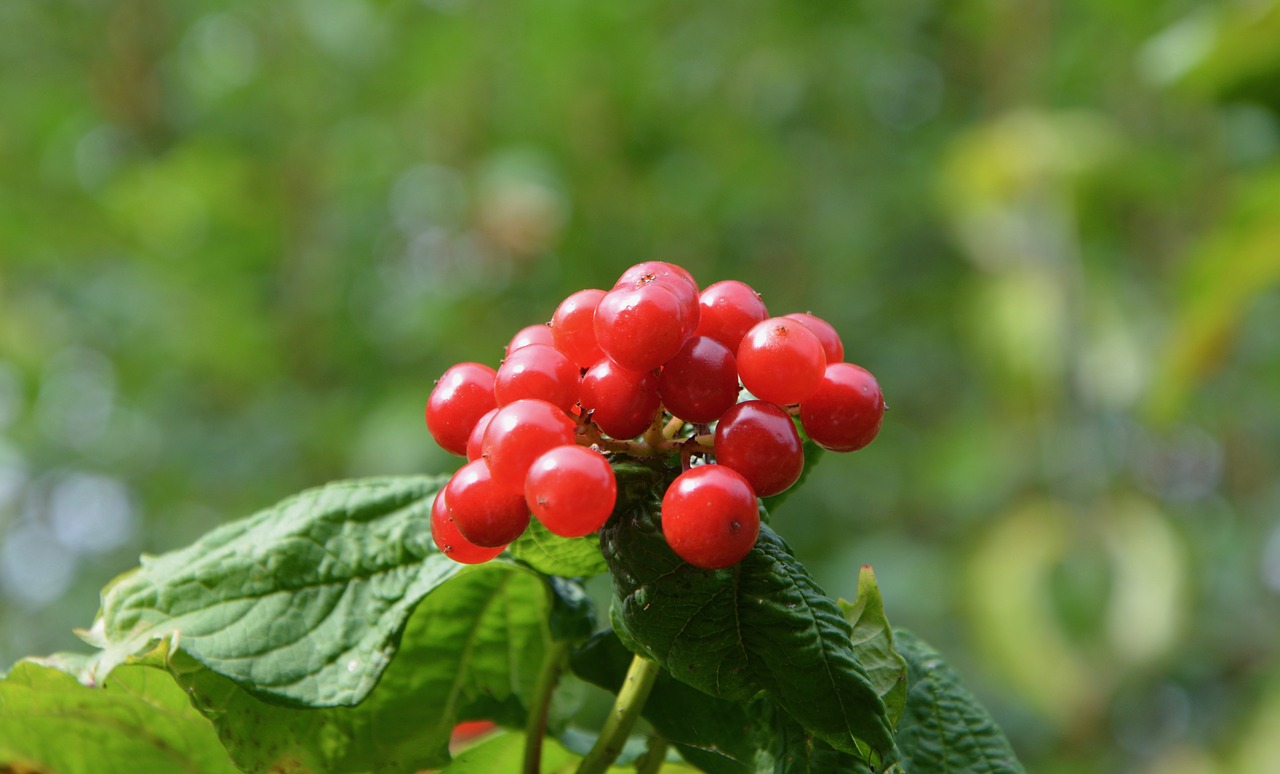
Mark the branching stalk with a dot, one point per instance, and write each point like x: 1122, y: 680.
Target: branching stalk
x: 622, y: 717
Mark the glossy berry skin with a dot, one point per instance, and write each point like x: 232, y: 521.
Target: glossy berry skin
x: 530, y: 334
x: 450, y: 541
x: 537, y: 371
x: 710, y: 517
x: 485, y: 513
x: 845, y: 412
x: 832, y: 346
x: 623, y: 403
x: 760, y: 441
x: 475, y: 442
x: 461, y: 396
x: 728, y: 310
x: 676, y: 279
x: 573, y: 327
x: 517, y: 435
x: 571, y: 490
x: 701, y: 382
x: 640, y: 328
x: 781, y: 361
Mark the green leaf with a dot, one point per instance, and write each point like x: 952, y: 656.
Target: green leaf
x: 716, y: 735
x: 762, y: 625
x: 472, y: 649
x: 301, y: 603
x: 873, y: 644
x: 944, y: 728
x: 554, y: 555
x: 504, y: 752
x: 812, y: 455
x: 140, y: 721
x: 790, y: 749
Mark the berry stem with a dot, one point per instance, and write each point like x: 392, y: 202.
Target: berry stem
x: 536, y: 727
x: 655, y: 755
x: 622, y: 717
x: 672, y: 427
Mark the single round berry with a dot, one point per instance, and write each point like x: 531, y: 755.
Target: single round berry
x: 710, y: 517
x: 701, y: 382
x: 573, y: 327
x: 640, y: 328
x: 486, y: 513
x: 537, y: 371
x: 518, y: 434
x: 760, y: 441
x: 475, y: 442
x: 845, y: 412
x: 531, y: 334
x: 832, y: 346
x: 781, y: 361
x: 450, y: 541
x: 571, y: 490
x: 728, y: 310
x: 676, y: 279
x: 623, y: 403
x: 461, y: 396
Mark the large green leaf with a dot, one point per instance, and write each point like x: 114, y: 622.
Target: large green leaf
x: 139, y: 722
x: 873, y: 643
x: 300, y: 603
x: 504, y: 752
x: 471, y: 649
x: 944, y: 728
x: 762, y: 625
x: 549, y: 553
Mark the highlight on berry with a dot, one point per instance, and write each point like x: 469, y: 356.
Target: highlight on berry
x: 700, y: 381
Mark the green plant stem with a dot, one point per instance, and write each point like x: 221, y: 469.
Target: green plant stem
x: 622, y: 717
x: 653, y: 758
x: 536, y: 727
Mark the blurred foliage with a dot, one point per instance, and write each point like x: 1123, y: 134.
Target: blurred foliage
x: 238, y: 241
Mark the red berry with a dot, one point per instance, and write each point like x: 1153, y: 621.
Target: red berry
x: 710, y: 517
x: 461, y: 396
x: 676, y: 279
x: 729, y: 309
x: 572, y: 490
x: 450, y: 541
x: 640, y: 328
x: 486, y: 513
x: 475, y: 442
x: 781, y: 361
x: 826, y: 333
x: 573, y: 327
x: 759, y: 440
x: 845, y: 412
x: 623, y: 403
x: 700, y: 382
x: 518, y: 434
x: 537, y: 371
x: 530, y: 334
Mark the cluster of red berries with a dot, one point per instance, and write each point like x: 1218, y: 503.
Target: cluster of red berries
x: 644, y: 370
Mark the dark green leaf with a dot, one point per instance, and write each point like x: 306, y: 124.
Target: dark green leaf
x: 554, y: 555
x: 301, y: 603
x: 944, y: 728
x: 873, y: 644
x: 761, y: 625
x: 790, y: 749
x: 140, y: 721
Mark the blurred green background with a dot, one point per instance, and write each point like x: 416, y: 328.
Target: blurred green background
x: 238, y: 241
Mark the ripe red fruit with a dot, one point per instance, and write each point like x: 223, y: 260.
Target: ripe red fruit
x: 845, y: 412
x: 461, y: 396
x: 475, y: 441
x: 760, y: 441
x: 537, y: 371
x: 676, y: 279
x: 710, y: 517
x: 571, y: 490
x: 484, y: 512
x: 450, y: 541
x: 832, y: 346
x: 781, y: 361
x: 640, y: 328
x: 623, y: 403
x: 518, y: 434
x: 728, y: 310
x: 573, y: 327
x: 700, y: 382
x: 530, y: 334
